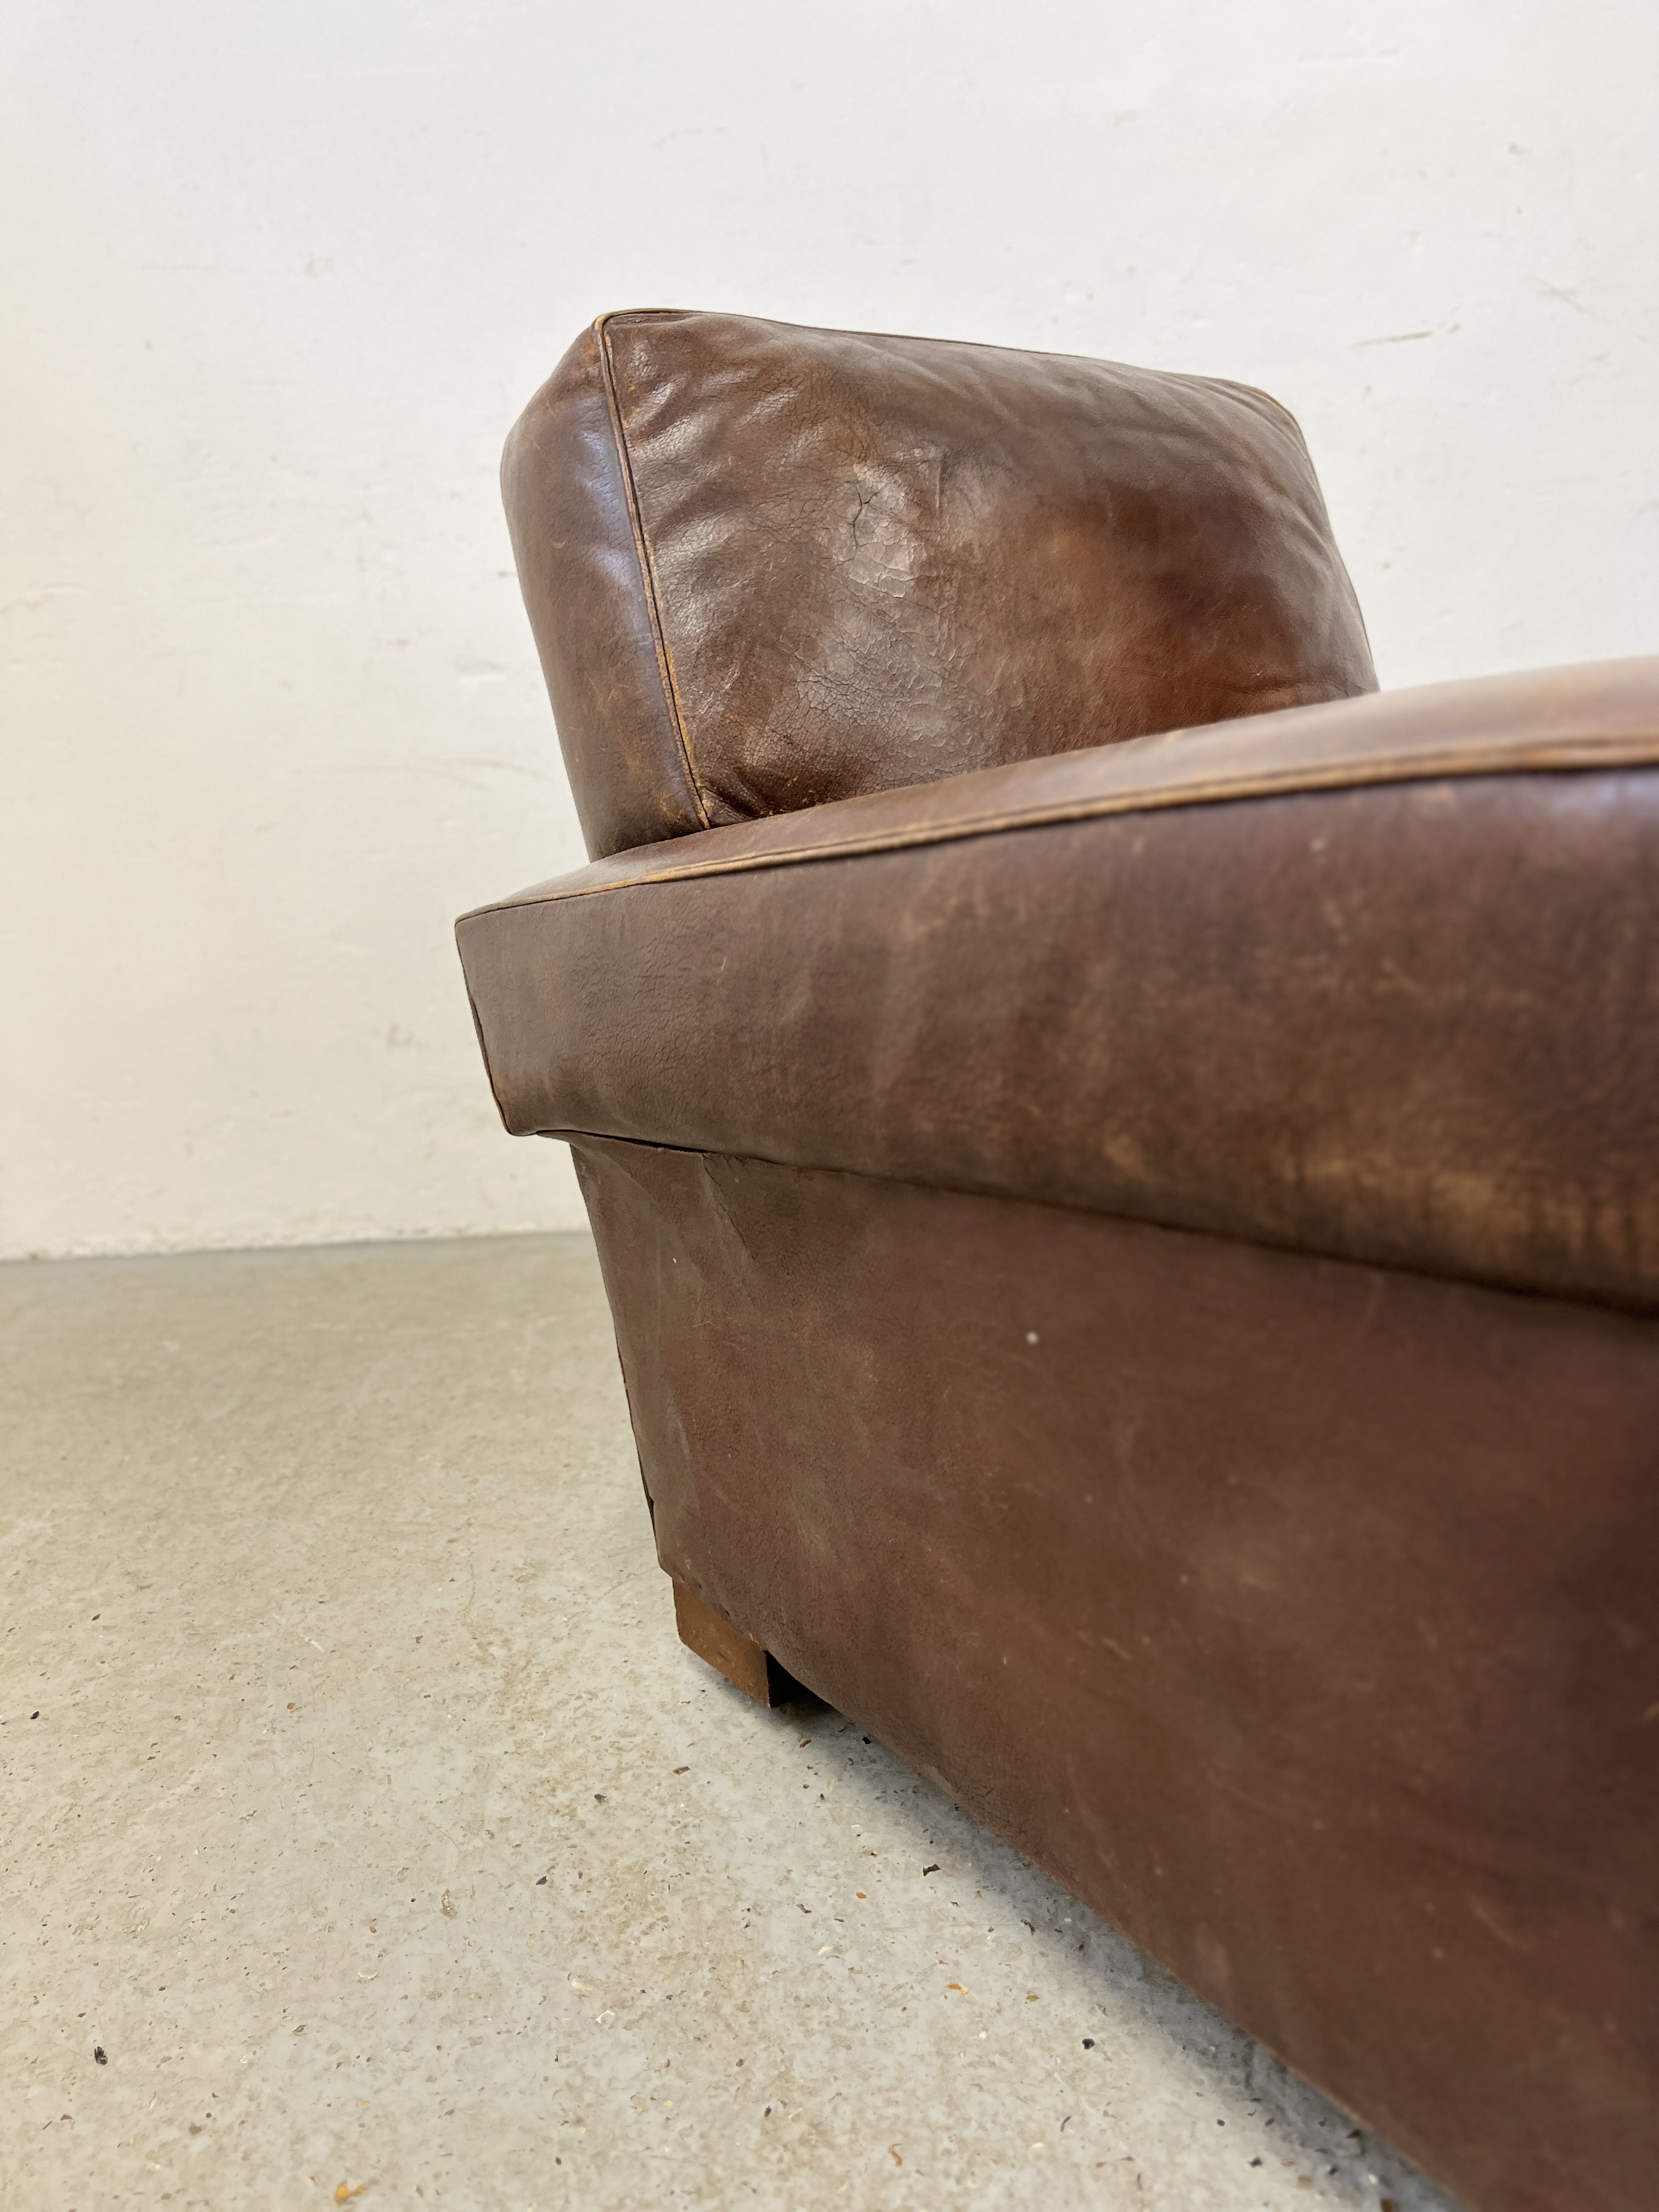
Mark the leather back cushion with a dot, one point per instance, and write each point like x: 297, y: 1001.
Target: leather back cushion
x: 768, y: 566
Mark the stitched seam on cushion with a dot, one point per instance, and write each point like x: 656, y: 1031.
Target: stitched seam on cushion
x: 647, y: 568
x: 1556, y: 757
x: 478, y: 1031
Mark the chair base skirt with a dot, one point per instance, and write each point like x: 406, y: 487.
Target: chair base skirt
x: 1301, y: 1618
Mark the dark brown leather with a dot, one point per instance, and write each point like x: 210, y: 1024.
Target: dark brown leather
x: 1302, y: 1618
x: 1378, y: 979
x: 769, y: 567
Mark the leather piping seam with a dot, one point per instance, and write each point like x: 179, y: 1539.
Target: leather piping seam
x: 1556, y: 757
x: 648, y: 566
x: 484, y: 1051
x: 1639, y: 1307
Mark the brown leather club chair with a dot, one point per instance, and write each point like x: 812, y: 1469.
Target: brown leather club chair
x: 1135, y: 1256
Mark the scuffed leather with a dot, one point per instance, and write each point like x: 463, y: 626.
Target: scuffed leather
x: 769, y: 568
x: 1410, y: 1017
x: 1301, y: 1618
x: 1297, y: 1614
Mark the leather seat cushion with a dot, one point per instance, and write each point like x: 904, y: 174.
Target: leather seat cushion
x: 1377, y: 979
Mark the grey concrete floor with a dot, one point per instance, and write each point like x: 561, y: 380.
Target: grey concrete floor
x: 366, y: 1829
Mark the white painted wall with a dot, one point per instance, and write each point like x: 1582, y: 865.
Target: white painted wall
x: 278, y: 279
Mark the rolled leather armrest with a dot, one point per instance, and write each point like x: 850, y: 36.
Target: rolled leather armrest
x: 1378, y: 979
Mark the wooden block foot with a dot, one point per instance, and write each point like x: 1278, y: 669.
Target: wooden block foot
x: 750, y: 1667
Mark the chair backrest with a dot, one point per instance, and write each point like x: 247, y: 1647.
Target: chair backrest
x: 768, y: 566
